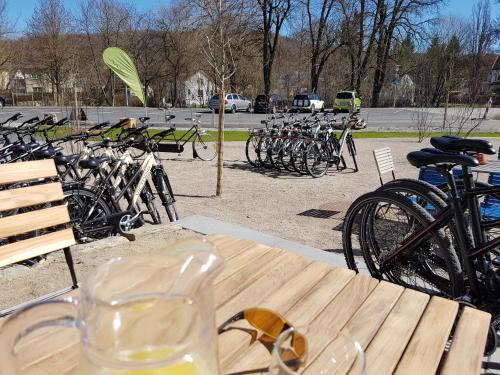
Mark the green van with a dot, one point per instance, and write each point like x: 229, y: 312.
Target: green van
x: 343, y: 100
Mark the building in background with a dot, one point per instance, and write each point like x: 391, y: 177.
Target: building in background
x: 198, y: 89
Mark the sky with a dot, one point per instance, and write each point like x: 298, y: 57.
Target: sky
x: 19, y: 11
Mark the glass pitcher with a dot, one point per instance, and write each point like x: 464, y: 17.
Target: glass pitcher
x: 143, y: 315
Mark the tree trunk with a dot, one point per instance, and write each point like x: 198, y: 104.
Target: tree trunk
x: 314, y: 74
x: 266, y: 67
x: 220, y: 148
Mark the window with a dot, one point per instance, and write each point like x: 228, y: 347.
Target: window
x: 344, y: 95
x: 241, y: 97
x: 200, y: 93
x: 37, y: 89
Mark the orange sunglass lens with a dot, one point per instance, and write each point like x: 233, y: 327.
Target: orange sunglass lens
x: 266, y: 321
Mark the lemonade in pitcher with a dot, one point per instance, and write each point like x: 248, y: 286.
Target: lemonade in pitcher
x: 192, y: 365
x: 178, y: 349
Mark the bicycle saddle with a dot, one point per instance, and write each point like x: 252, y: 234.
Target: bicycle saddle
x: 25, y: 147
x: 169, y: 117
x: 93, y: 163
x: 65, y: 159
x: 143, y: 119
x: 47, y: 153
x: 459, y: 144
x: 424, y: 158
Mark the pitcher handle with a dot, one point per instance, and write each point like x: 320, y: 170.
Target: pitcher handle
x: 51, y: 313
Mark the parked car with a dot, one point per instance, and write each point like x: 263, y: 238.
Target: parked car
x: 270, y: 104
x: 308, y: 102
x: 232, y: 102
x: 343, y: 101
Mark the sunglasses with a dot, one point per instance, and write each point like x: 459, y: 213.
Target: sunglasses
x: 270, y: 325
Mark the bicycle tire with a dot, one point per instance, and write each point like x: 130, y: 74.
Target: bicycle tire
x: 77, y: 199
x: 162, y: 187
x: 205, y: 146
x: 251, y: 150
x: 262, y: 152
x: 286, y: 155
x: 314, y: 154
x: 452, y: 285
x: 275, y: 153
x: 298, y: 157
x: 148, y: 200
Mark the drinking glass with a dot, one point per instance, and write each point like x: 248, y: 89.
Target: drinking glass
x: 343, y: 354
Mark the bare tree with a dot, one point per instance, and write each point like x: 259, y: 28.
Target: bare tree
x: 50, y: 49
x: 324, y: 35
x: 480, y: 38
x: 221, y: 22
x: 105, y: 23
x: 274, y: 13
x: 178, y: 45
x: 5, y: 30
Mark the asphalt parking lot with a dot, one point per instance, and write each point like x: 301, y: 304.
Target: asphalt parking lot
x: 384, y: 119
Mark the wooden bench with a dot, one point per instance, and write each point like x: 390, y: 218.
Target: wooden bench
x: 33, y: 218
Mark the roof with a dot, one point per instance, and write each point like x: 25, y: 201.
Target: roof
x: 496, y: 65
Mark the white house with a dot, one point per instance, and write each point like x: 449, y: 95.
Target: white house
x: 494, y: 78
x: 198, y: 89
x: 492, y: 83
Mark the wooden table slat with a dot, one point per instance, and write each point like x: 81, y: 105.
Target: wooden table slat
x: 234, y: 284
x: 424, y: 352
x: 363, y: 325
x: 388, y: 345
x: 466, y: 354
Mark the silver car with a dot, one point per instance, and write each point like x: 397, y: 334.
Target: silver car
x: 232, y: 102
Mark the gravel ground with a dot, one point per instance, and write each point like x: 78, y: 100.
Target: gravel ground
x: 277, y: 203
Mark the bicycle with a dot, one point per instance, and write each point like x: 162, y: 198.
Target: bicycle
x: 204, y: 144
x: 449, y: 249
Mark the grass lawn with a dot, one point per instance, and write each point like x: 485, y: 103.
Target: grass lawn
x: 242, y: 135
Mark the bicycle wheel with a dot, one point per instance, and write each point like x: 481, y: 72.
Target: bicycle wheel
x: 262, y: 152
x: 148, y: 200
x: 251, y: 150
x: 88, y: 213
x: 378, y: 223
x: 316, y: 159
x: 298, y: 157
x: 205, y: 146
x: 286, y: 155
x: 164, y: 192
x: 275, y: 153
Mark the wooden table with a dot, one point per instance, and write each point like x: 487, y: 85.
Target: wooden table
x: 401, y: 330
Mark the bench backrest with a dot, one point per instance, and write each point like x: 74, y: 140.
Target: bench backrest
x: 30, y: 202
x: 383, y: 159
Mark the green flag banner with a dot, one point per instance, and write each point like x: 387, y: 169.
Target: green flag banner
x: 121, y: 64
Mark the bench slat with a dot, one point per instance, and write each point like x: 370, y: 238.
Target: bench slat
x: 469, y: 336
x: 27, y: 171
x: 33, y: 220
x: 22, y: 250
x: 30, y: 196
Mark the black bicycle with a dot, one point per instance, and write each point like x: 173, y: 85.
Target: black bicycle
x: 419, y: 236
